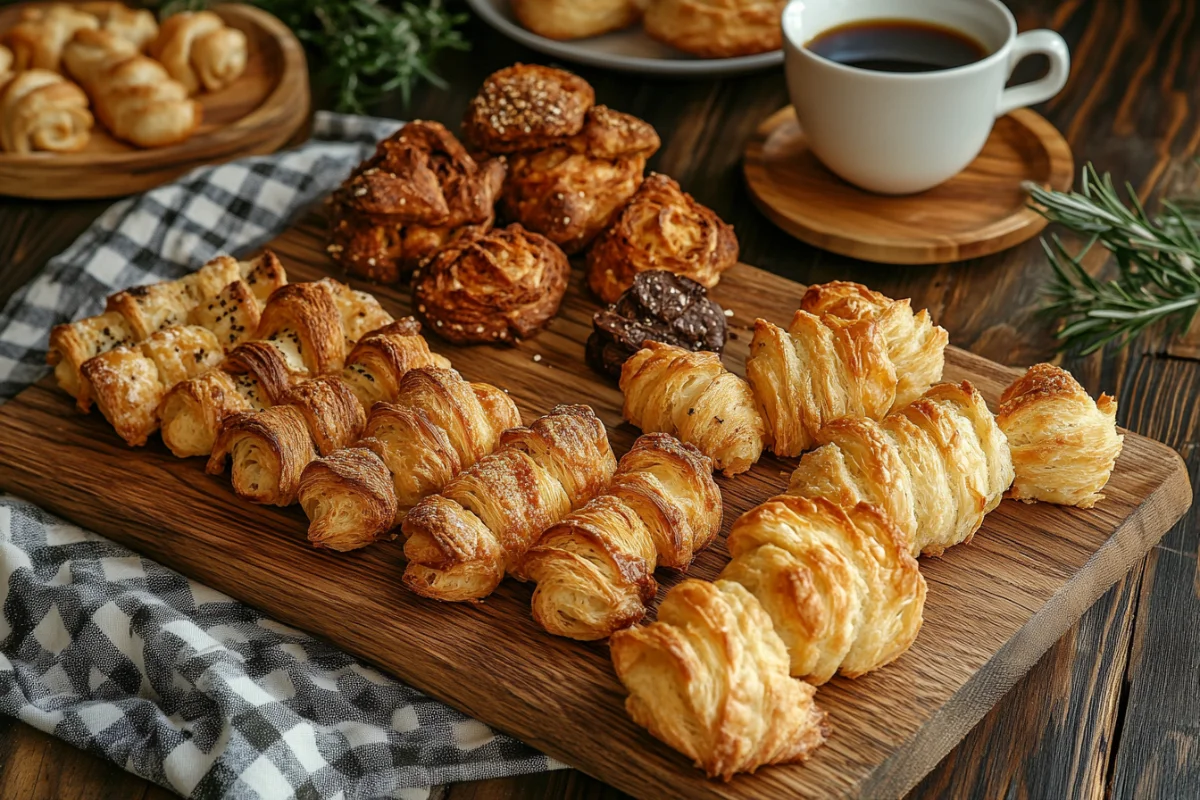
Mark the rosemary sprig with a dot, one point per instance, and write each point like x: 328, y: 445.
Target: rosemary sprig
x: 1157, y: 260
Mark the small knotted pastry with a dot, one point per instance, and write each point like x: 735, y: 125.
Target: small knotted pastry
x: 460, y: 543
x: 42, y: 110
x: 200, y: 51
x: 840, y: 585
x: 576, y: 19
x: 662, y: 227
x: 692, y: 396
x: 135, y: 25
x: 572, y: 189
x: 914, y: 344
x: 717, y: 28
x: 819, y: 369
x: 347, y: 496
x: 524, y: 107
x: 1064, y: 444
x: 504, y: 286
x: 710, y: 678
x: 595, y: 568
x: 419, y: 192
x: 269, y: 449
x: 935, y: 466
x: 382, y: 358
x: 38, y: 39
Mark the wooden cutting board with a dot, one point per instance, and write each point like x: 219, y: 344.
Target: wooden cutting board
x: 994, y: 606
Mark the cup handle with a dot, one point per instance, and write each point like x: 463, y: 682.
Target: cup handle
x: 1027, y: 94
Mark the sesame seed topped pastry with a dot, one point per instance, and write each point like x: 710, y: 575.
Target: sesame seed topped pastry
x: 526, y: 106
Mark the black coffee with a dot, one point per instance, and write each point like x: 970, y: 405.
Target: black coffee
x: 897, y: 45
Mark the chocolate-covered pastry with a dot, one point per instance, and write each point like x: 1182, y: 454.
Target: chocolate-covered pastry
x: 662, y: 307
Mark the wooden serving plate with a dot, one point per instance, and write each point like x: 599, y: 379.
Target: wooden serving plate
x: 994, y: 605
x: 257, y: 114
x: 980, y: 211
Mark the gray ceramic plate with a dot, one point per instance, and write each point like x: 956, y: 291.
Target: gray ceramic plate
x: 630, y: 50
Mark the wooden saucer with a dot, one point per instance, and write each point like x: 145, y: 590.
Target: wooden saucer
x: 981, y: 210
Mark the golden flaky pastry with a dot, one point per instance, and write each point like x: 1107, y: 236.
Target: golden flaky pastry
x: 571, y: 189
x: 340, y: 521
x: 269, y: 449
x: 42, y: 110
x: 462, y: 541
x: 817, y: 370
x: 935, y: 466
x: 417, y: 193
x: 914, y: 344
x: 662, y: 227
x: 595, y: 569
x: 38, y: 39
x: 504, y: 286
x: 717, y: 28
x: 692, y: 396
x: 576, y: 19
x: 376, y: 365
x: 525, y: 107
x: 710, y: 678
x: 840, y: 584
x: 1064, y: 444
x: 200, y: 51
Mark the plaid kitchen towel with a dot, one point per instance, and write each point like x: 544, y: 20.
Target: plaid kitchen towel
x: 164, y: 677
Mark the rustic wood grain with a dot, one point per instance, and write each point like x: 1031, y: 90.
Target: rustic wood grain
x: 256, y: 114
x: 980, y: 211
x: 994, y: 608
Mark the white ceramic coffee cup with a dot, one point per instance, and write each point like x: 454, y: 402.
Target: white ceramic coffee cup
x: 898, y: 133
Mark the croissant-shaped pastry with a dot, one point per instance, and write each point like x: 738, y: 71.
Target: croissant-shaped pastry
x: 382, y: 358
x: 935, y: 466
x: 42, y: 110
x: 331, y: 493
x: 461, y: 542
x: 840, y: 584
x: 710, y: 678
x: 717, y: 28
x: 594, y: 569
x: 38, y: 39
x: 662, y: 227
x: 692, y: 396
x: 525, y: 107
x: 200, y: 51
x: 129, y: 381
x: 133, y: 25
x: 819, y: 369
x: 506, y: 285
x: 1064, y: 444
x: 572, y: 189
x: 419, y: 192
x: 914, y: 344
x: 269, y: 449
x: 132, y: 94
x: 576, y: 19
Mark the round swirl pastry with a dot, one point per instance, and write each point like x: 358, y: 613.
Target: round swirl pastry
x: 717, y: 28
x: 576, y: 19
x: 525, y: 107
x: 501, y: 286
x: 662, y: 227
x: 417, y: 193
x: 571, y: 190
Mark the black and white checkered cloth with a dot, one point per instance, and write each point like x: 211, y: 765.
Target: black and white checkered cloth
x: 164, y: 677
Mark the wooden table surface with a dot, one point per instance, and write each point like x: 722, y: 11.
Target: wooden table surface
x: 1113, y: 708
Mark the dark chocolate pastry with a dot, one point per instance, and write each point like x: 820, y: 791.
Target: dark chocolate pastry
x: 660, y: 306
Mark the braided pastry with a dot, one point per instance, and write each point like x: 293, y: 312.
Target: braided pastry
x: 461, y: 542
x: 1064, y: 444
x: 717, y: 28
x: 524, y: 107
x: 692, y: 396
x: 935, y: 466
x: 503, y: 286
x: 572, y: 189
x: 594, y: 569
x: 38, y: 39
x: 576, y: 19
x: 914, y: 344
x: 710, y: 678
x: 662, y: 227
x: 42, y: 110
x: 419, y: 192
x: 200, y: 51
x: 840, y: 585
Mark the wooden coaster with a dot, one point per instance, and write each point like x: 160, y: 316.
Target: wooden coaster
x: 981, y: 210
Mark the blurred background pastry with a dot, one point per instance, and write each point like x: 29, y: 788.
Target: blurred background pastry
x: 717, y: 28
x: 200, y: 51
x: 42, y: 110
x: 576, y: 19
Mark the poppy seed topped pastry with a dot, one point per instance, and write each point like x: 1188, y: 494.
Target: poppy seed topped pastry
x: 575, y: 19
x: 526, y: 106
x: 499, y: 287
x: 662, y: 227
x: 717, y: 28
x: 418, y: 192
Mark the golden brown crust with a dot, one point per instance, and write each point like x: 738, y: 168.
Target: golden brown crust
x: 191, y: 412
x: 233, y: 314
x: 270, y: 450
x: 134, y: 25
x: 38, y: 39
x: 307, y: 315
x: 572, y: 189
x: 710, y: 678
x: 200, y: 51
x: 717, y: 28
x: 348, y: 497
x: 1064, y: 444
x: 525, y: 107
x: 692, y: 396
x: 501, y: 287
x: 42, y: 110
x: 382, y: 358
x: 840, y: 585
x: 334, y: 417
x: 662, y: 227
x: 576, y: 19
